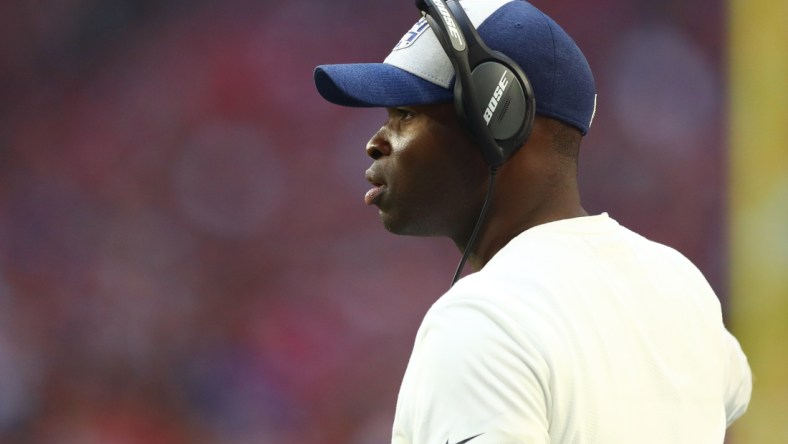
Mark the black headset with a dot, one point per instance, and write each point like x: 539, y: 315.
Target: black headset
x: 492, y: 94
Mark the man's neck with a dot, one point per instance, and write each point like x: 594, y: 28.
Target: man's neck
x: 505, y: 222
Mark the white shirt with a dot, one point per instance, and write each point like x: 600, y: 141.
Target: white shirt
x: 577, y: 331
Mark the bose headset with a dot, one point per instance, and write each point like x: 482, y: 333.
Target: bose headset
x: 492, y: 95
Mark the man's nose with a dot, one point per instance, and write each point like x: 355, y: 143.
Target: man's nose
x: 378, y: 146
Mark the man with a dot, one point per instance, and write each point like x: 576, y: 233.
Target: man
x: 573, y: 329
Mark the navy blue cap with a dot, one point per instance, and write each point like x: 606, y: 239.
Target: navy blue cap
x: 418, y: 72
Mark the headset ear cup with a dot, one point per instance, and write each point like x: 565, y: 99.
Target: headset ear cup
x: 506, y: 102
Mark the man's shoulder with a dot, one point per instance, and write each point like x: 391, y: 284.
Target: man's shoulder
x: 570, y: 244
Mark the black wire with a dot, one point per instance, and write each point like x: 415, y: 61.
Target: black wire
x: 479, y: 223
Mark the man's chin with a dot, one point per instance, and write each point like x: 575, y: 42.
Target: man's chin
x: 402, y: 226
x: 394, y: 224
x: 390, y: 223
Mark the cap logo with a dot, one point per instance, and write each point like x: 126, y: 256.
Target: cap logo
x: 415, y: 32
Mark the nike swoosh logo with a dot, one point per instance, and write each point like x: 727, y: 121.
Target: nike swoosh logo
x: 466, y: 440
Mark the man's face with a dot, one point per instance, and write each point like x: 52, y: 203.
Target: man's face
x: 428, y: 177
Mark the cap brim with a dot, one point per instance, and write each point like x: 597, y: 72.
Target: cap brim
x: 376, y: 85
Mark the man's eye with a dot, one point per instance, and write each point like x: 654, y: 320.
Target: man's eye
x: 404, y: 113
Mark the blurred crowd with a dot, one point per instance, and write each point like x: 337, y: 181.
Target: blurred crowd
x: 185, y: 256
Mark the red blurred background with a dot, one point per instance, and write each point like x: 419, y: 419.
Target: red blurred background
x: 185, y: 254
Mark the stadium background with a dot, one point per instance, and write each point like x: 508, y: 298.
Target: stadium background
x: 184, y: 252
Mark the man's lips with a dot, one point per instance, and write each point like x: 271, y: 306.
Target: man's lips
x: 378, y: 188
x: 374, y: 194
